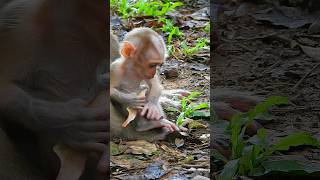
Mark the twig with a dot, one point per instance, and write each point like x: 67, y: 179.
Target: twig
x: 296, y: 109
x: 271, y: 67
x: 195, y: 165
x: 304, y: 77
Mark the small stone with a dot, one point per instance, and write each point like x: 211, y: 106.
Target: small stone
x: 198, y: 177
x: 171, y: 73
x: 314, y: 28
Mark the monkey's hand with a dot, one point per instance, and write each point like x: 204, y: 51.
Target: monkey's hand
x: 131, y: 100
x: 144, y: 125
x: 70, y: 123
x: 74, y: 124
x: 151, y: 111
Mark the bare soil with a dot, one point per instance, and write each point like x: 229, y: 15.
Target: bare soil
x: 265, y: 60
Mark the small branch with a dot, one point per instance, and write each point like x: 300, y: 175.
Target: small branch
x: 304, y: 77
x: 296, y: 109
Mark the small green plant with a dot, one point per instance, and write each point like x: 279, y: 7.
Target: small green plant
x: 114, y: 5
x: 190, y: 109
x: 200, y: 44
x: 250, y: 157
x: 207, y: 28
x: 170, y: 49
x: 121, y: 7
x: 169, y: 27
x: 143, y: 7
x: 154, y: 8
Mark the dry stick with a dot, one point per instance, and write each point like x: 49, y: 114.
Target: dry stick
x: 195, y: 165
x: 304, y: 77
x: 296, y: 109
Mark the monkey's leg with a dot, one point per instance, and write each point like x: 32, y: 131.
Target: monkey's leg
x: 13, y: 165
x: 167, y: 97
x: 130, y: 132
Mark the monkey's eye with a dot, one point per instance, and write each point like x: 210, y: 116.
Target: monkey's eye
x: 153, y: 65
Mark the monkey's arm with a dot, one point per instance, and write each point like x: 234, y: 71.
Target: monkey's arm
x: 155, y: 89
x: 66, y: 122
x: 152, y: 109
x: 14, y: 101
x: 126, y: 99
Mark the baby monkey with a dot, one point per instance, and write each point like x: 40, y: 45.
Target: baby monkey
x: 142, y: 52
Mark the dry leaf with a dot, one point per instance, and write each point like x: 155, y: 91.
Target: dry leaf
x: 141, y: 147
x: 133, y: 112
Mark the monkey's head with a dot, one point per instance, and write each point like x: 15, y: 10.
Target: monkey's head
x: 144, y: 50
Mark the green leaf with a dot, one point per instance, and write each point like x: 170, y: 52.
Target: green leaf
x: 176, y: 4
x: 170, y: 36
x: 170, y: 49
x: 189, y: 111
x: 123, y: 7
x: 262, y: 133
x: 180, y: 119
x: 201, y: 106
x: 229, y: 170
x: 217, y: 155
x: 194, y: 95
x: 295, y: 139
x: 171, y: 109
x: 196, y: 125
x: 200, y: 114
x: 263, y: 107
x: 288, y: 166
x: 259, y: 139
x: 246, y: 162
x: 183, y: 104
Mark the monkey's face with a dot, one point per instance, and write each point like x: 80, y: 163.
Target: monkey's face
x: 150, y: 59
x: 145, y: 58
x: 150, y: 68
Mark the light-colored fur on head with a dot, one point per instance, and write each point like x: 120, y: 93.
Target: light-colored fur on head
x: 144, y: 37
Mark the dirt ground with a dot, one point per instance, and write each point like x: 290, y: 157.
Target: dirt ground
x: 176, y: 159
x: 266, y: 58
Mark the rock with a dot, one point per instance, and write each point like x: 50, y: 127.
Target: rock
x: 198, y: 177
x: 253, y: 128
x: 243, y: 9
x: 177, y: 177
x: 314, y: 28
x: 171, y: 73
x: 154, y: 170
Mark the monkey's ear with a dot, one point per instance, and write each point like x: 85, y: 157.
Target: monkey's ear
x: 127, y: 49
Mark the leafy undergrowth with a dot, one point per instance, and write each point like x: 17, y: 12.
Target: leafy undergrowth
x: 186, y: 35
x: 265, y: 59
x: 184, y: 26
x: 254, y: 156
